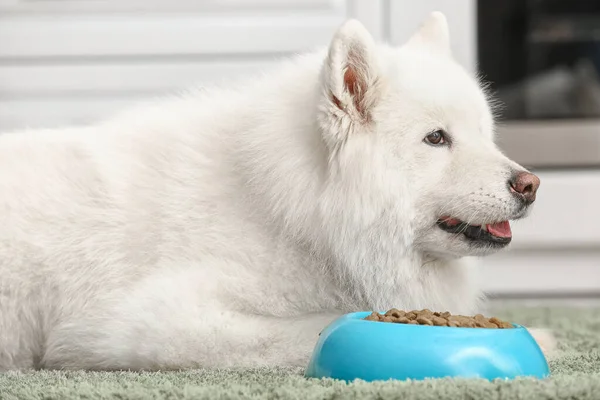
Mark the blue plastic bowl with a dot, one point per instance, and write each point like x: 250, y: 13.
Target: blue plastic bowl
x: 353, y: 348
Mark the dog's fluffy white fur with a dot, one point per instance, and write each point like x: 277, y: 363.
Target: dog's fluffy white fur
x: 228, y: 227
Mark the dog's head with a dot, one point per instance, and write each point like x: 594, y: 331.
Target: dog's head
x: 410, y: 139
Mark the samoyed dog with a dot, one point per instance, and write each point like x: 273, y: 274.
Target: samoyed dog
x: 228, y: 227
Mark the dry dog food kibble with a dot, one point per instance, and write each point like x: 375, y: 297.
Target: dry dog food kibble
x: 427, y: 317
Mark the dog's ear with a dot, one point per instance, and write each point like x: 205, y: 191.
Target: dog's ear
x: 350, y: 79
x: 433, y: 33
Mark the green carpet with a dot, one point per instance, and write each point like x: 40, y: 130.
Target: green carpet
x: 575, y: 375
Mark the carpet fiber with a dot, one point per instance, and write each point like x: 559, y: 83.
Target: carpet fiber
x: 575, y: 375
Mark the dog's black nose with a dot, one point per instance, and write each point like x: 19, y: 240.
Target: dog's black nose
x: 524, y: 185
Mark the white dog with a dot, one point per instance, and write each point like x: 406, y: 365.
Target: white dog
x: 229, y: 227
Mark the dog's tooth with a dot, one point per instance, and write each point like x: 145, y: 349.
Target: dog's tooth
x: 484, y: 227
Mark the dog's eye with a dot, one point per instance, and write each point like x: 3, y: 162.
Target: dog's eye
x: 436, y: 138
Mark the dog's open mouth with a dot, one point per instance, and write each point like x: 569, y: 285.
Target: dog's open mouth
x: 498, y: 234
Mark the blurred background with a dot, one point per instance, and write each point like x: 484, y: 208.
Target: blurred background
x: 65, y: 62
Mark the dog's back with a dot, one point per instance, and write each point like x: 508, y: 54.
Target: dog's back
x: 87, y: 213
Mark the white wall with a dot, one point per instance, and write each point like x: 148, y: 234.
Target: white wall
x: 72, y: 62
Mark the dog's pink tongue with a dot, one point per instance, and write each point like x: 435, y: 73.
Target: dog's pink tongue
x: 500, y: 229
x: 451, y: 221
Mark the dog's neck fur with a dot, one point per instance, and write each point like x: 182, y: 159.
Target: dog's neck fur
x: 296, y: 183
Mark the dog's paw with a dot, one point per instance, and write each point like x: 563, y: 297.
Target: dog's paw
x: 545, y: 339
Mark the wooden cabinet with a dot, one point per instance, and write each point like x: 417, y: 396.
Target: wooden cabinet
x: 556, y: 250
x: 68, y: 62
